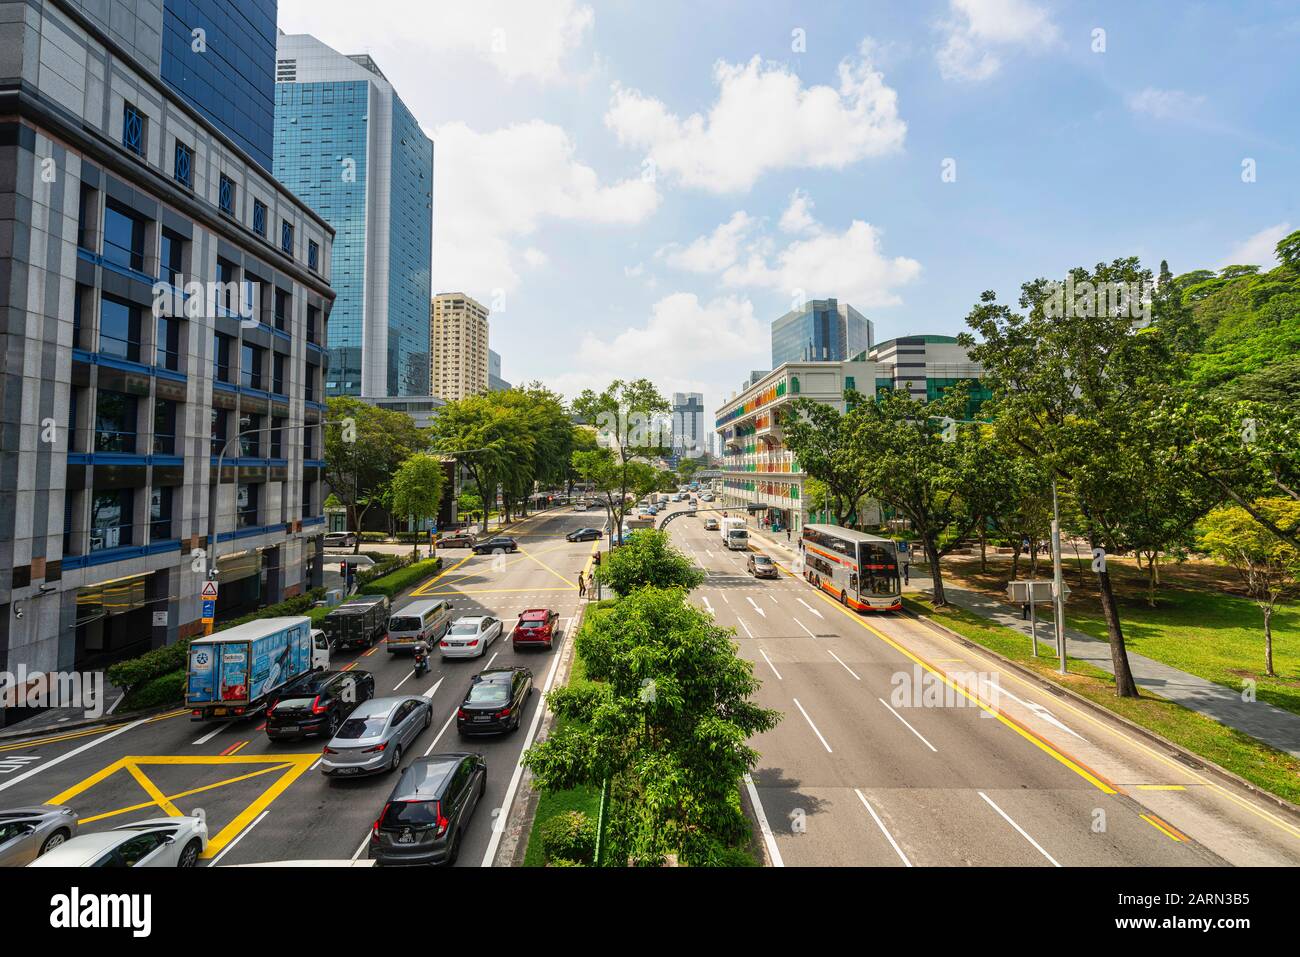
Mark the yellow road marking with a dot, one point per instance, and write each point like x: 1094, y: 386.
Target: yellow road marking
x: 1165, y: 828
x: 1161, y: 787
x: 510, y: 563
x: 296, y: 765
x: 184, y: 794
x: 498, y: 591
x: 84, y: 732
x: 429, y: 584
x: 154, y: 792
x: 569, y: 581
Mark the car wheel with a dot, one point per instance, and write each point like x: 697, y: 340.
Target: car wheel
x: 428, y: 718
x: 190, y: 854
x: 397, y: 758
x: 54, y: 840
x: 454, y: 853
x: 844, y: 598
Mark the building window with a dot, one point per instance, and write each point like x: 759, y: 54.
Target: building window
x: 286, y: 236
x: 112, y: 512
x: 115, y: 418
x: 277, y: 440
x: 183, y: 171
x: 250, y: 446
x: 308, y: 443
x: 160, y: 514
x: 312, y: 313
x: 119, y: 329
x: 226, y: 195
x: 220, y: 357
x: 133, y: 128
x: 281, y: 310
x: 171, y: 259
x: 259, y: 218
x: 246, y: 497
x: 277, y: 374
x: 87, y: 207
x: 219, y: 418
x: 309, y: 383
x: 307, y: 510
x: 123, y: 238
x: 168, y: 343
x: 250, y: 366
x: 164, y: 427
x: 313, y: 255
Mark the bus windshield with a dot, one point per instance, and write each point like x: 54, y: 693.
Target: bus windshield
x: 879, y: 569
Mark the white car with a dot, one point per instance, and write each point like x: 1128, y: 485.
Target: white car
x: 156, y: 842
x: 580, y: 507
x: 469, y: 637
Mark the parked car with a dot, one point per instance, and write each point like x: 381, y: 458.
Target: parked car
x: 317, y: 703
x: 156, y: 842
x: 455, y: 540
x: 502, y: 543
x: 584, y: 535
x: 710, y: 524
x: 374, y: 736
x: 427, y: 812
x: 761, y: 566
x: 28, y: 832
x: 536, y: 626
x: 469, y: 637
x: 340, y: 539
x: 495, y: 701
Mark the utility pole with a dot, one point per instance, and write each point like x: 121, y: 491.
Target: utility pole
x: 1058, y: 583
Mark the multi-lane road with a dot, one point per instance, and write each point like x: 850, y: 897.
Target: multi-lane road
x: 974, y: 766
x: 268, y: 802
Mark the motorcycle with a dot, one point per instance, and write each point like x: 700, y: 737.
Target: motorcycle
x: 421, y: 663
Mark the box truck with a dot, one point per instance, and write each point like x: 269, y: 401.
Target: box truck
x: 734, y: 534
x: 234, y: 672
x: 357, y: 623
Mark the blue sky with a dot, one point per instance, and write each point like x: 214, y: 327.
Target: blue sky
x: 641, y: 188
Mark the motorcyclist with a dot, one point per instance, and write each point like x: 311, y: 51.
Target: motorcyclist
x: 421, y: 657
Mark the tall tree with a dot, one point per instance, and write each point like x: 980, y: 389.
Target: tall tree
x: 822, y: 440
x: 417, y: 489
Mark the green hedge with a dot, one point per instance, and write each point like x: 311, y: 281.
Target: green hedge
x: 385, y: 565
x: 568, y: 839
x: 402, y: 579
x: 168, y: 689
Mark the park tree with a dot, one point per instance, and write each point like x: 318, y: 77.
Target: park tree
x: 647, y: 559
x: 417, y: 489
x: 1269, y: 566
x: 360, y: 472
x: 823, y: 441
x: 480, y: 436
x: 665, y: 720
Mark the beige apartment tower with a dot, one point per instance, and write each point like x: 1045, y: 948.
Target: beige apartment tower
x: 458, y: 347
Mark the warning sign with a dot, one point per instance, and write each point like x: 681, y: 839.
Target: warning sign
x: 209, y: 592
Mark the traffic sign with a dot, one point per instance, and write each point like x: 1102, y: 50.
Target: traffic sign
x: 209, y: 610
x: 209, y: 592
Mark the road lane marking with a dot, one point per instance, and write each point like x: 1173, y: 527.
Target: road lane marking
x: 769, y: 838
x: 745, y: 626
x: 756, y: 608
x: 1164, y: 827
x: 131, y: 809
x: 803, y: 626
x: 1161, y: 787
x: 908, y: 726
x: 1023, y: 832
x: 810, y: 608
x: 233, y: 748
x: 71, y: 754
x: 445, y: 571
x: 883, y: 830
x: 226, y: 850
x: 433, y: 690
x: 846, y: 667
x: 364, y: 841
x: 211, y: 734
x: 708, y: 605
x: 724, y: 597
x: 813, y: 726
x: 155, y: 793
x: 772, y: 666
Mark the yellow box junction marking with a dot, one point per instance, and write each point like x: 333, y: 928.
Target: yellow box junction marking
x: 292, y: 766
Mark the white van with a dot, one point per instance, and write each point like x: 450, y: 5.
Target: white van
x: 425, y: 621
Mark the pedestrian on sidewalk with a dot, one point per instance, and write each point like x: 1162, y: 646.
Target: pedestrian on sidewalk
x: 787, y: 534
x: 582, y: 585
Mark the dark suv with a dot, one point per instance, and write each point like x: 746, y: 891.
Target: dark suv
x: 425, y: 817
x: 317, y: 703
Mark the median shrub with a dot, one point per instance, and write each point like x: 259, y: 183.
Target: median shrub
x: 157, y: 692
x: 569, y: 839
x: 402, y: 579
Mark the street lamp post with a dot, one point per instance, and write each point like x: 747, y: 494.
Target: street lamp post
x: 1058, y: 584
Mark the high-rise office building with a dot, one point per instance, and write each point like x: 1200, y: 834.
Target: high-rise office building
x: 822, y: 330
x: 495, y: 382
x: 181, y: 314
x: 688, y: 430
x: 458, y: 346
x: 346, y: 143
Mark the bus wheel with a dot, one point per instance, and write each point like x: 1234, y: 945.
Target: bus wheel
x: 844, y: 598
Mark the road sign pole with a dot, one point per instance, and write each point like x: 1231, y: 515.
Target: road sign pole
x: 1033, y: 620
x: 1058, y: 582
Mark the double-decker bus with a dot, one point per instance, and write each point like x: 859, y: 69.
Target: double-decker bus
x: 860, y: 570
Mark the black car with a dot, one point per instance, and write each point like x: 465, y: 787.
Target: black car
x: 584, y: 535
x: 425, y: 817
x: 501, y: 543
x: 317, y: 703
x: 495, y: 701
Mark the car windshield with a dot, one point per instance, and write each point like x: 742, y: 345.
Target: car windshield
x: 488, y: 692
x: 362, y: 727
x: 410, y: 814
x: 530, y: 623
x: 463, y: 628
x: 404, y: 624
x: 293, y: 704
x: 762, y: 560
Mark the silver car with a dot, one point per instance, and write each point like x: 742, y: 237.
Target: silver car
x: 28, y: 832
x: 375, y: 734
x: 469, y: 637
x: 155, y: 842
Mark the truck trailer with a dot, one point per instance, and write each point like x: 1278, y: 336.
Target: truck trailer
x: 234, y: 672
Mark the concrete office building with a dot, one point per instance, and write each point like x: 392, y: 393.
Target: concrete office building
x: 458, y: 347
x: 495, y: 382
x: 822, y: 330
x: 117, y: 400
x: 924, y: 366
x: 348, y: 146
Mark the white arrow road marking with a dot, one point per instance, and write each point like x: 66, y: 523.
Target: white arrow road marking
x: 756, y: 608
x: 430, y: 693
x: 1037, y: 709
x: 809, y: 607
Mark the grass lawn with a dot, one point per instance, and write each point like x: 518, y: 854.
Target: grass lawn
x: 1198, y: 625
x: 1265, y: 767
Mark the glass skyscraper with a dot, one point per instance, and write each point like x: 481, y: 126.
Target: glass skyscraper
x: 347, y: 145
x: 823, y: 330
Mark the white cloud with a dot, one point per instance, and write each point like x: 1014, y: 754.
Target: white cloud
x: 850, y: 265
x: 978, y: 31
x: 492, y: 188
x: 633, y: 272
x: 1259, y: 249
x: 520, y: 38
x: 535, y: 257
x: 1166, y: 104
x: 763, y: 119
x: 798, y: 217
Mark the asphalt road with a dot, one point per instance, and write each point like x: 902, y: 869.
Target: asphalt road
x: 267, y: 802
x: 978, y: 767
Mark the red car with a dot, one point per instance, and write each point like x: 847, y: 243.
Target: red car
x: 535, y: 627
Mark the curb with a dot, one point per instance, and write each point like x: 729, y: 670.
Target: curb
x: 1179, y: 753
x: 106, y: 720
